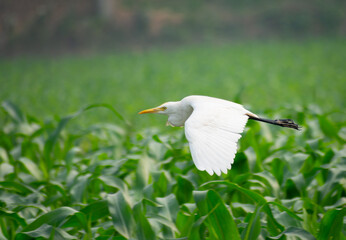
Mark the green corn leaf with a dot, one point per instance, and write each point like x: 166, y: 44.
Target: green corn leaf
x: 219, y: 221
x: 53, y: 218
x: 13, y: 215
x: 13, y: 111
x: 335, y: 177
x: 295, y: 232
x: 253, y: 228
x: 331, y: 225
x: 96, y: 210
x: 17, y: 187
x: 52, y: 139
x: 289, y: 212
x: 168, y: 226
x: 78, y: 189
x: 92, y: 213
x: 42, y: 231
x: 79, y: 219
x: 121, y: 213
x: 183, y: 190
x: 32, y: 167
x: 253, y: 195
x: 168, y: 213
x: 2, y: 234
x: 144, y: 230
x: 161, y: 185
x: 275, y: 227
x: 145, y: 165
x: 198, y: 228
x: 45, y: 231
x: 170, y: 207
x: 184, y: 223
x: 58, y: 187
x: 114, y: 182
x: 328, y: 127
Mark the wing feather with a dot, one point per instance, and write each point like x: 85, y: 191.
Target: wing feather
x: 213, y: 131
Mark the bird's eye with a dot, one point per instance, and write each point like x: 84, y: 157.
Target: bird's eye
x: 164, y: 108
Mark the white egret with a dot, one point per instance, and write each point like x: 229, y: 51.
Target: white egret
x: 212, y: 128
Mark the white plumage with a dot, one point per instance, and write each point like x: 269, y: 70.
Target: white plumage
x: 212, y: 127
x: 213, y: 130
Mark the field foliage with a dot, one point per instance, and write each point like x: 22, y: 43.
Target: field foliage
x: 262, y: 75
x: 104, y: 172
x: 107, y: 182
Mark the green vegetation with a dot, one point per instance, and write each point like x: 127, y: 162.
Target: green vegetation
x: 258, y: 74
x: 79, y: 176
x: 106, y: 182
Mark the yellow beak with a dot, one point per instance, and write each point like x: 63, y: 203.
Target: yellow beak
x: 152, y: 110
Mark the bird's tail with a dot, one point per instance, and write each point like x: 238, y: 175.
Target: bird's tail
x: 279, y: 122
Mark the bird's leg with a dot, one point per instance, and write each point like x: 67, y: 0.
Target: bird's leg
x: 279, y: 122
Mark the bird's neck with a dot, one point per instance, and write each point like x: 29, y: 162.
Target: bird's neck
x: 180, y: 115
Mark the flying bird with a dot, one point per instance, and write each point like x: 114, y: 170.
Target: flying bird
x: 212, y: 128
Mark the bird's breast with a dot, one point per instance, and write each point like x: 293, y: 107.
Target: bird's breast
x: 176, y: 121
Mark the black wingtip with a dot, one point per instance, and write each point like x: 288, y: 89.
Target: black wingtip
x: 279, y: 122
x: 288, y: 123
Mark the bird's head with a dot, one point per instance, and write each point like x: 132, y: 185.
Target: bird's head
x: 166, y: 108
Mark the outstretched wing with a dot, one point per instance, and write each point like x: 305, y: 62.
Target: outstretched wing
x: 213, y: 131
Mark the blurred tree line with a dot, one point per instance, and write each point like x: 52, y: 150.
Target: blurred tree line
x: 51, y: 25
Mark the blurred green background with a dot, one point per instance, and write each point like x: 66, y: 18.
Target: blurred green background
x: 57, y: 56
